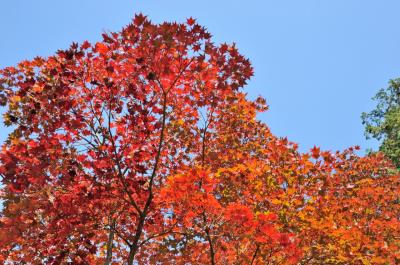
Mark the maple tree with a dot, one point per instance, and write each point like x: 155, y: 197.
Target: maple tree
x: 352, y: 216
x: 143, y: 149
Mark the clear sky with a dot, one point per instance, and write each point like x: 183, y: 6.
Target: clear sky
x: 317, y: 62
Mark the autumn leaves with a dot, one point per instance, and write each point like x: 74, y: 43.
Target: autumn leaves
x: 143, y: 149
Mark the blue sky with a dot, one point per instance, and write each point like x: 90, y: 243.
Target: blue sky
x: 318, y: 63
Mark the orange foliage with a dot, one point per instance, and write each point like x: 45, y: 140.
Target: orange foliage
x: 143, y: 149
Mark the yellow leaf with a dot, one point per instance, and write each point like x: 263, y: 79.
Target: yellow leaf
x: 276, y: 201
x: 16, y: 99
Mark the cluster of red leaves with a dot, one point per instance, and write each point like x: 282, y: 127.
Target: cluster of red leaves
x: 142, y: 149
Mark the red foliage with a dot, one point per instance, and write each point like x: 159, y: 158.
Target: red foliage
x: 142, y: 148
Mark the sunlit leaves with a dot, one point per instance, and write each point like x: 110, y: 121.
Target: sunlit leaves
x: 143, y: 149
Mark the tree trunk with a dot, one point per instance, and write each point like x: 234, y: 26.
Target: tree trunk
x: 110, y: 243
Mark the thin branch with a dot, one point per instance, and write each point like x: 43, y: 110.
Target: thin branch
x: 255, y: 255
